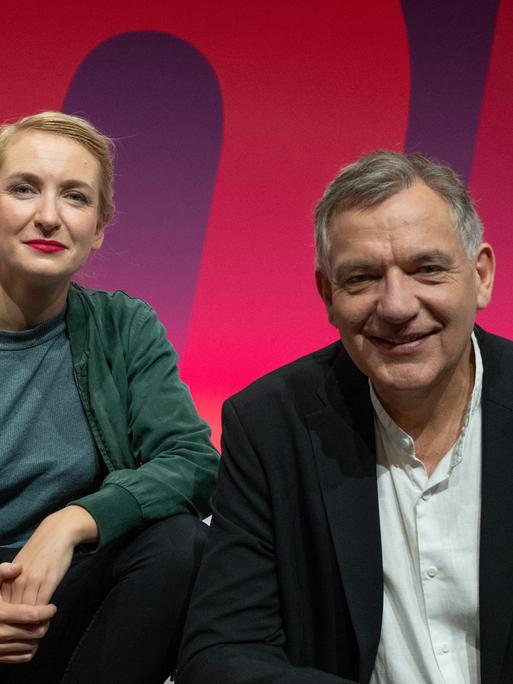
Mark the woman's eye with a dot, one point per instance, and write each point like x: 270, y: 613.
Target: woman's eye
x: 22, y: 189
x: 77, y: 197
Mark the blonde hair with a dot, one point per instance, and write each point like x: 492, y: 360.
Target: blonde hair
x: 83, y: 132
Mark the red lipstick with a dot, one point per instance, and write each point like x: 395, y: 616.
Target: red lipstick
x: 48, y: 246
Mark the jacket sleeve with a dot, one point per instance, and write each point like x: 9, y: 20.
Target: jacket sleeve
x: 234, y: 631
x: 176, y: 462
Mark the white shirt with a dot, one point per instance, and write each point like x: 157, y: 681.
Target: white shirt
x: 430, y: 542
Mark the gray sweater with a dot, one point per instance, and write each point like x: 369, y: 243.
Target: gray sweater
x: 47, y: 452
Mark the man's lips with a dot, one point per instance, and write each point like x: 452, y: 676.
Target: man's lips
x: 400, y: 343
x: 46, y: 245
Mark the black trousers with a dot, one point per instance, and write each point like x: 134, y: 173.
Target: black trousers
x: 120, y: 612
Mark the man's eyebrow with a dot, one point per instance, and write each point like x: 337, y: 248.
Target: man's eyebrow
x: 351, y: 265
x: 354, y: 265
x: 432, y: 255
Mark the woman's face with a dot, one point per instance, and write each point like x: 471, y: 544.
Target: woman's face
x: 49, y: 190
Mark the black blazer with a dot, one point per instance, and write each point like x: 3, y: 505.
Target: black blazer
x: 291, y: 587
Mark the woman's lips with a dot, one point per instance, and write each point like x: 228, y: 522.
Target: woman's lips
x: 47, y: 246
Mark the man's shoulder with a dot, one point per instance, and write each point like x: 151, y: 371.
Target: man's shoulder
x: 496, y: 351
x: 497, y: 356
x: 295, y: 381
x: 491, y: 343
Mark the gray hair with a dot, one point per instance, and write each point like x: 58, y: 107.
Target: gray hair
x: 380, y: 175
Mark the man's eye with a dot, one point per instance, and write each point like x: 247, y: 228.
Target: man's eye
x: 430, y: 268
x: 358, y: 279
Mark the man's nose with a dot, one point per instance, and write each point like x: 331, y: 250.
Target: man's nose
x: 398, y: 302
x: 47, y: 217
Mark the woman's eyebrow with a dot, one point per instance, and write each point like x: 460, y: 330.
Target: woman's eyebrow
x: 23, y: 175
x: 71, y: 183
x: 34, y: 178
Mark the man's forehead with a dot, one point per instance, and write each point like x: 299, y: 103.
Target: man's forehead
x: 396, y: 237
x: 414, y: 214
x: 417, y: 201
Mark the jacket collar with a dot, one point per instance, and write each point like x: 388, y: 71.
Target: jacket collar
x: 342, y: 434
x: 76, y: 323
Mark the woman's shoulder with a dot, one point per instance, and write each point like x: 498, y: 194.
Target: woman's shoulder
x: 111, y: 315
x: 107, y: 303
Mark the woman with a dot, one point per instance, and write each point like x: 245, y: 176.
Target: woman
x: 103, y: 456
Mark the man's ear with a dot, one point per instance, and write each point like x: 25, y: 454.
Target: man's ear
x: 324, y: 288
x: 485, y: 272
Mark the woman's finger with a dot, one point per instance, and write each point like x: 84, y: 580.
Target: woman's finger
x: 18, y: 652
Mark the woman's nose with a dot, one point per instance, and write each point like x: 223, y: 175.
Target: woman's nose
x: 47, y: 217
x: 398, y: 302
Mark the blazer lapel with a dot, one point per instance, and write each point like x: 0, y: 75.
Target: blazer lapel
x: 342, y: 434
x: 496, y: 546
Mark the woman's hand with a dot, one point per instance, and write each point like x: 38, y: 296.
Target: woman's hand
x: 27, y: 584
x: 21, y: 626
x: 47, y: 555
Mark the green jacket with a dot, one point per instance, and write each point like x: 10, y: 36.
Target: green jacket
x: 145, y: 425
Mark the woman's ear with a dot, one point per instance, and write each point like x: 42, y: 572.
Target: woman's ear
x: 98, y: 237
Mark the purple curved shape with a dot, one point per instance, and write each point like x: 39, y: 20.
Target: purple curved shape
x: 160, y: 99
x: 450, y: 44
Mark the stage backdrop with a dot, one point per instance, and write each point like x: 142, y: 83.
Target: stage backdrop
x: 231, y: 117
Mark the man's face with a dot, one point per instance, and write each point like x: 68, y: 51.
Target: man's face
x: 402, y: 291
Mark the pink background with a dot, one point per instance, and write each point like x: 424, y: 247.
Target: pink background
x: 231, y: 118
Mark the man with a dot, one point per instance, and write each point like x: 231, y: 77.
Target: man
x: 363, y: 522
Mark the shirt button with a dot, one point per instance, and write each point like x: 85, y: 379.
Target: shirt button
x: 444, y: 648
x: 405, y: 442
x: 432, y: 571
x: 426, y: 496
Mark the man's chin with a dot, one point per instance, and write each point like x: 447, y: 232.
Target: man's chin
x: 403, y: 380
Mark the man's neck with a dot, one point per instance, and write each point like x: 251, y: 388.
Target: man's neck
x: 25, y: 307
x: 434, y: 418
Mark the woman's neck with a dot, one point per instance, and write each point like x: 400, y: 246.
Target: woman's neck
x: 22, y: 308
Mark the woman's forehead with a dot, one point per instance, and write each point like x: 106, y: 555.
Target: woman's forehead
x: 50, y: 154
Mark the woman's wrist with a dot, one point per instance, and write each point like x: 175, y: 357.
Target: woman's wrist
x: 77, y: 523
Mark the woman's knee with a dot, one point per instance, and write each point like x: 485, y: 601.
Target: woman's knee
x: 171, y: 548
x: 182, y: 539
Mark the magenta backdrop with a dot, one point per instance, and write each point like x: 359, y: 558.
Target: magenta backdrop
x: 231, y: 117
